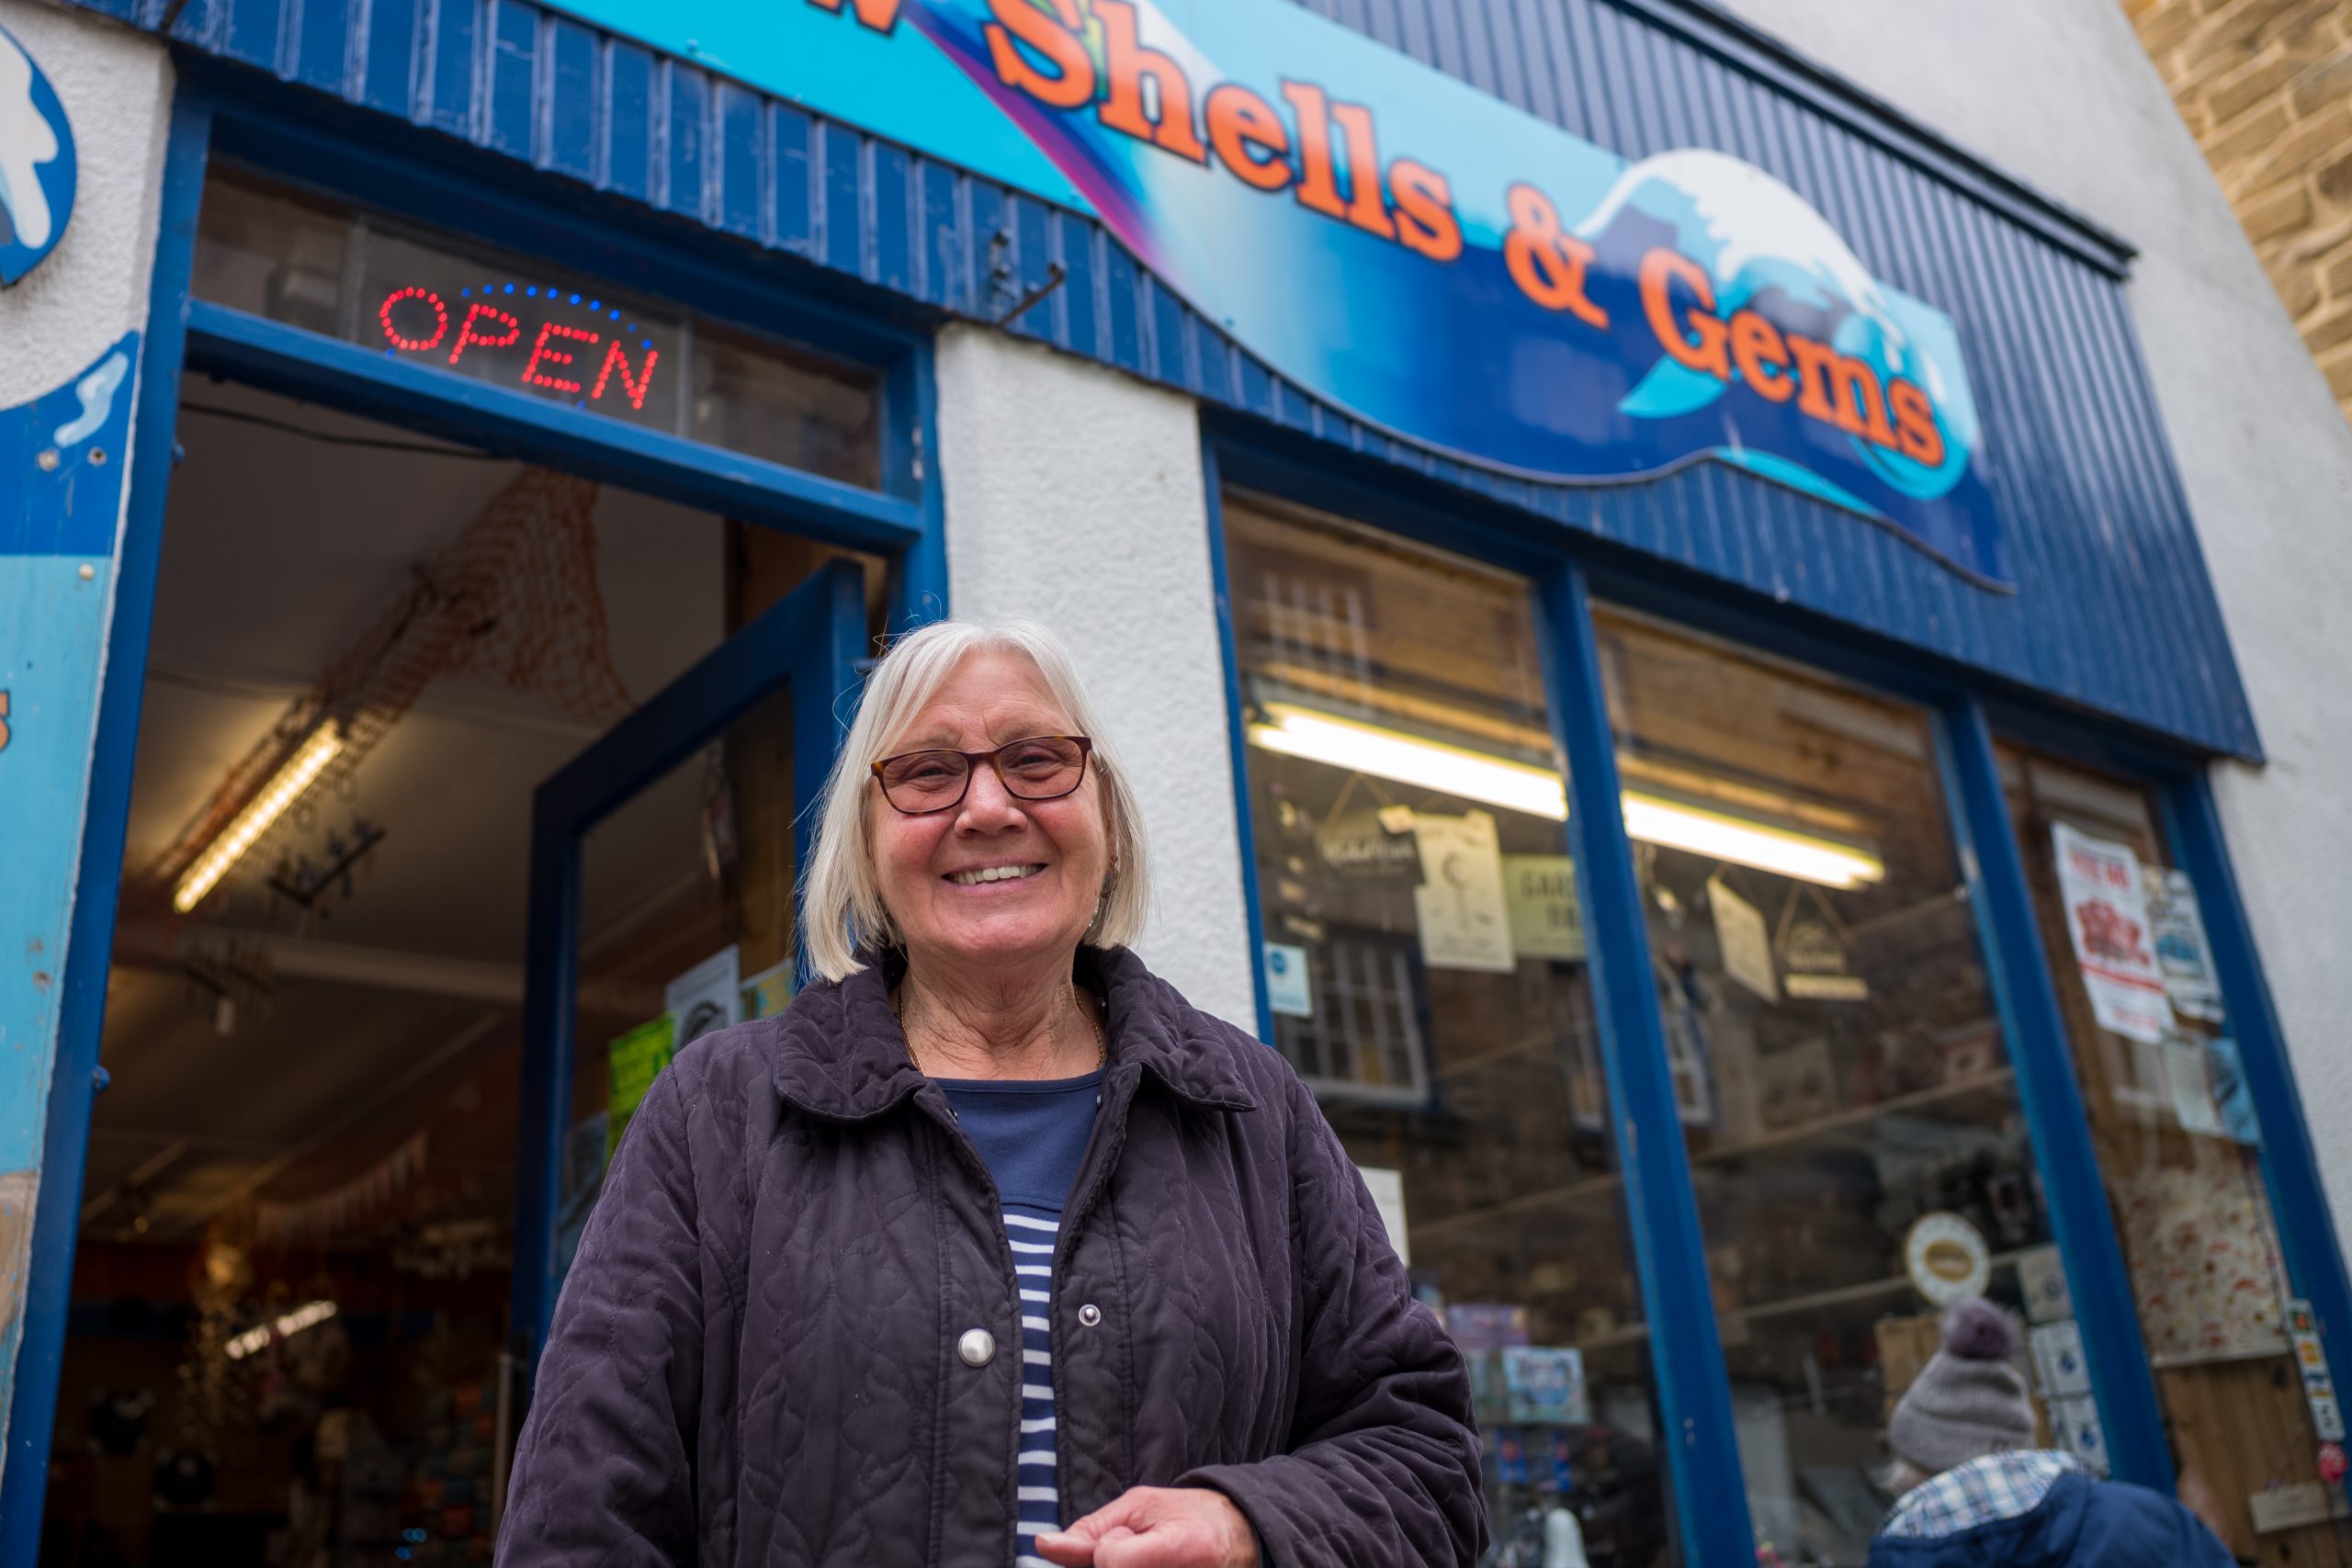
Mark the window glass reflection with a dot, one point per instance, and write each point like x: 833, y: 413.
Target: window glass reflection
x: 2179, y: 1145
x: 1426, y: 963
x: 1846, y: 1095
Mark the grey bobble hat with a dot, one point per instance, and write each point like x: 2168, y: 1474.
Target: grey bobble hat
x: 1969, y: 1401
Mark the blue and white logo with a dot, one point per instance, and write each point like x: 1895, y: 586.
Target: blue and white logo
x: 37, y: 168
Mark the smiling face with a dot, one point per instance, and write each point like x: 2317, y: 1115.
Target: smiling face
x: 994, y: 882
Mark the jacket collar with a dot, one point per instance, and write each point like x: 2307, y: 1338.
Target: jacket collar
x: 840, y: 1054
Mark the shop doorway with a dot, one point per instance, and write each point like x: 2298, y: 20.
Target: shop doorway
x: 462, y: 783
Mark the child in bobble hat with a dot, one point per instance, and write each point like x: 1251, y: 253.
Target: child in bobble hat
x: 1976, y: 1491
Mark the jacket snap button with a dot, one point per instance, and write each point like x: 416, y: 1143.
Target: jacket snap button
x: 978, y: 1346
x: 1090, y: 1315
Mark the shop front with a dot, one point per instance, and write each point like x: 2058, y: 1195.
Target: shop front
x: 1668, y: 668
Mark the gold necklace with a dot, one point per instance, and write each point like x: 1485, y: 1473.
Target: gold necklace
x: 899, y: 1014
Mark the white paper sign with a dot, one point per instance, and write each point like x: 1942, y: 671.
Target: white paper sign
x: 2182, y: 952
x: 1747, y: 944
x: 706, y: 997
x: 2041, y: 1279
x: 2192, y: 1086
x: 1464, y: 920
x: 1387, y: 1190
x: 1289, y: 990
x: 1545, y: 919
x: 2107, y: 920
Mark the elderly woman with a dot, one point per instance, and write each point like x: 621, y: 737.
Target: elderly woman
x: 992, y: 1249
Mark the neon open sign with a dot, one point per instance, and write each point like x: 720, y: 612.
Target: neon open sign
x: 576, y: 345
x: 416, y: 321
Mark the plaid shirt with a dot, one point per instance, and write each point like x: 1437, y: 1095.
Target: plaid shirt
x: 1998, y: 1486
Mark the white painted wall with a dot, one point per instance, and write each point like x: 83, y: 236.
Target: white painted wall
x: 2058, y: 94
x: 1075, y: 497
x: 116, y: 86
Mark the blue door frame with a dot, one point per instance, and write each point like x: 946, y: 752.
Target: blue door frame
x: 495, y: 201
x: 76, y: 1077
x: 1693, y: 1403
x: 808, y: 643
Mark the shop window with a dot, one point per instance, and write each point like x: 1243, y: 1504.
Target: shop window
x: 425, y: 297
x: 1426, y: 967
x: 1856, y: 1144
x: 2180, y: 1146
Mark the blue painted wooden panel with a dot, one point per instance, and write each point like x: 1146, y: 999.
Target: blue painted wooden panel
x: 322, y: 45
x: 513, y: 77
x: 452, y: 52
x: 575, y: 96
x: 2115, y: 614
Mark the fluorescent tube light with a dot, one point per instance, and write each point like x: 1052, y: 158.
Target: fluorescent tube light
x: 285, y: 787
x: 1409, y: 758
x: 1540, y: 792
x: 1751, y: 843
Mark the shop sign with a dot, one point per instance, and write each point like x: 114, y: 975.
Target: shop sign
x: 36, y: 168
x: 1435, y: 263
x: 429, y: 306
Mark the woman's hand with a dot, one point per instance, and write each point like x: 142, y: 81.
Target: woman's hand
x: 1158, y: 1527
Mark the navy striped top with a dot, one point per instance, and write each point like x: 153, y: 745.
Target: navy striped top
x: 1032, y: 1136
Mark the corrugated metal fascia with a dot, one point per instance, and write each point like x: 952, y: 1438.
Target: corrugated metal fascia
x: 2093, y: 628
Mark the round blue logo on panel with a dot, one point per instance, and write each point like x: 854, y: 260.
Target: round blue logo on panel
x: 36, y: 163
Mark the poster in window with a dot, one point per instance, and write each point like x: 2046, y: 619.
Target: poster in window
x: 2192, y: 1085
x: 1545, y: 919
x: 1545, y: 1385
x: 1463, y: 917
x: 1386, y: 1186
x: 2232, y: 1095
x: 2182, y: 952
x: 708, y: 996
x: 634, y: 1061
x: 1747, y: 944
x: 2107, y: 920
x: 769, y: 992
x: 1290, y: 990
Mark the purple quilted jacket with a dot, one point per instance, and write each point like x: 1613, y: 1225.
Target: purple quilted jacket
x: 754, y: 1359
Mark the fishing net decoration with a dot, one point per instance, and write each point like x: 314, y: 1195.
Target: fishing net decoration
x: 512, y: 599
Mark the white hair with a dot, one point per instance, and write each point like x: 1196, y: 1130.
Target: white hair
x: 842, y: 909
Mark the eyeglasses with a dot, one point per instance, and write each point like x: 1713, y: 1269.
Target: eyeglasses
x: 1042, y: 767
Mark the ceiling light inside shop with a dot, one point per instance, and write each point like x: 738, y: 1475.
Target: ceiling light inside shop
x: 1757, y: 845
x: 1409, y: 758
x: 308, y: 1316
x: 285, y: 787
x: 1540, y: 792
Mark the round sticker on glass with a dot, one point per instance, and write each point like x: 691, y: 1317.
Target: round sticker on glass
x: 1947, y: 1258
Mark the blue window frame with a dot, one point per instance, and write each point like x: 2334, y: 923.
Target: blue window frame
x: 414, y: 174
x: 1688, y: 1358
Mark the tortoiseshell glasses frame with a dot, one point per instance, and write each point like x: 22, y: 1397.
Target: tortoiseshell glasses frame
x: 1035, y: 767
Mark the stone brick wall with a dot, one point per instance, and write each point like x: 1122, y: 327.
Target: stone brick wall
x: 2266, y: 85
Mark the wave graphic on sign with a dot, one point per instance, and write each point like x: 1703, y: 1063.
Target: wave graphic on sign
x: 1715, y: 316
x: 1754, y: 235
